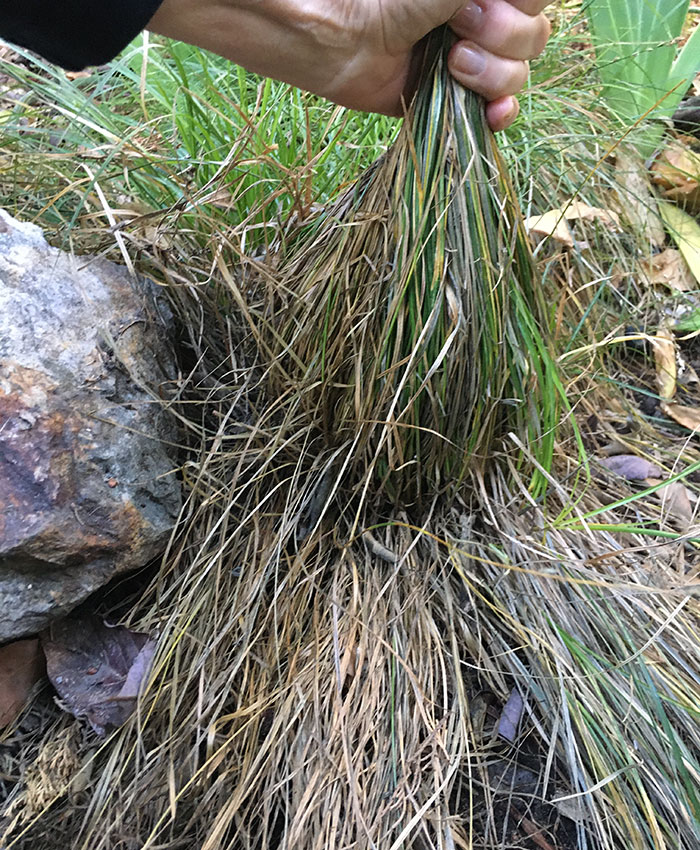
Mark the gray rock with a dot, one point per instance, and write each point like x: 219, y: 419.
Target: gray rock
x: 88, y: 487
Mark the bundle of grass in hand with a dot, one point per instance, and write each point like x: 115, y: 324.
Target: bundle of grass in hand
x: 347, y: 686
x: 411, y: 325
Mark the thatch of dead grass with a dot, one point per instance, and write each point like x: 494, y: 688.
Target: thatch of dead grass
x: 332, y: 671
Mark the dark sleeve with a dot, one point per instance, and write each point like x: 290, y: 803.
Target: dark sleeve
x: 74, y: 33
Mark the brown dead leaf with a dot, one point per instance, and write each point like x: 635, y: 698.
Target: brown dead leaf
x: 577, y: 210
x: 675, y: 501
x: 554, y: 222
x: 78, y: 75
x: 21, y: 667
x: 97, y: 669
x: 688, y: 417
x: 637, y: 201
x: 665, y: 357
x: 669, y: 268
x: 677, y: 173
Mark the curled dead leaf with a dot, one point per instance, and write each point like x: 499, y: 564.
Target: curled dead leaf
x: 97, y: 670
x: 677, y: 173
x: 670, y: 269
x: 577, y: 210
x: 554, y: 223
x: 631, y: 467
x: 510, y: 717
x: 675, y: 500
x: 551, y: 224
x: 688, y: 417
x: 637, y: 200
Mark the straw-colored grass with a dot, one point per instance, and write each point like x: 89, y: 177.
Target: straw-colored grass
x: 332, y: 670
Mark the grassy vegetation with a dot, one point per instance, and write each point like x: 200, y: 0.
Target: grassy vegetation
x: 331, y: 673
x: 376, y: 324
x: 167, y: 125
x: 639, y: 63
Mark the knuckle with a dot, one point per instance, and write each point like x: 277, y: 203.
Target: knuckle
x: 543, y: 33
x: 520, y: 76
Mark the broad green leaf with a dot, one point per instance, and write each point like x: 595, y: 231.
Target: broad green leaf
x: 637, y: 58
x: 685, y: 231
x: 687, y: 64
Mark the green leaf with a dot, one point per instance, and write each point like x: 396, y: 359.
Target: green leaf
x: 637, y: 58
x: 685, y: 232
x: 687, y: 64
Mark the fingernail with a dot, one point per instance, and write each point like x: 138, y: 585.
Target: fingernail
x: 472, y: 15
x: 468, y: 60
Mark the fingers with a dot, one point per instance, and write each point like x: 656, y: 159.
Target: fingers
x: 491, y: 76
x: 498, y: 27
x: 502, y: 112
x: 530, y: 7
x: 496, y: 40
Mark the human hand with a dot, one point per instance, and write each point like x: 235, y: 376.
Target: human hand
x: 363, y: 53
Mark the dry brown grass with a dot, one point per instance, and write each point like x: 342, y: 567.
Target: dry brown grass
x: 332, y: 670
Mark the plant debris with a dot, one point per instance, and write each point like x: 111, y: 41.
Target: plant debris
x: 21, y: 667
x: 510, y: 717
x: 670, y: 269
x: 97, y: 669
x: 631, y: 467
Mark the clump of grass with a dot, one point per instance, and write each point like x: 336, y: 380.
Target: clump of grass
x: 168, y: 127
x: 331, y: 674
x: 413, y: 322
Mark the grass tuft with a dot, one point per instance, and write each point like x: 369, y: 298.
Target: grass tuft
x: 332, y: 671
x: 410, y: 323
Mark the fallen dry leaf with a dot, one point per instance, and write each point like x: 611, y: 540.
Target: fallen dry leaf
x: 21, y: 667
x: 638, y: 203
x: 631, y: 467
x: 78, y: 75
x: 677, y: 173
x: 510, y: 717
x: 675, y: 500
x: 688, y: 417
x: 665, y: 357
x: 97, y: 669
x: 670, y: 269
x: 554, y: 222
x: 577, y: 210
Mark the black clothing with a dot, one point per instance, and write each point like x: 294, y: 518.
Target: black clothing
x: 74, y: 33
